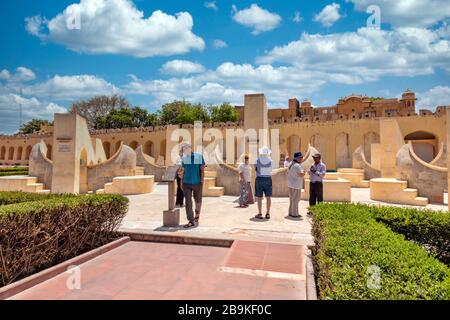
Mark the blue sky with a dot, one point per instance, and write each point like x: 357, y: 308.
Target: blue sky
x: 160, y: 50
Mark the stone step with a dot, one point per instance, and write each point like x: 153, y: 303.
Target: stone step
x: 411, y: 192
x: 209, y: 183
x: 210, y: 174
x: 365, y: 183
x: 34, y: 187
x: 139, y: 171
x: 214, y: 192
x: 100, y: 191
x: 131, y: 185
x: 421, y: 201
x: 45, y: 191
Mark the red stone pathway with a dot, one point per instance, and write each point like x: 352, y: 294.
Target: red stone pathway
x: 145, y: 270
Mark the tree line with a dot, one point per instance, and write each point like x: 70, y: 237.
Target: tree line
x: 115, y: 112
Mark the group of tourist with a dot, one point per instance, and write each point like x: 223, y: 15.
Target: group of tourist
x: 190, y: 177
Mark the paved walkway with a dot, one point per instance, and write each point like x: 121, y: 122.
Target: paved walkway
x: 221, y: 218
x: 145, y: 270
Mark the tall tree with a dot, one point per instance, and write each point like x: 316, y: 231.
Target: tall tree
x: 98, y: 106
x: 169, y: 112
x: 34, y: 125
x: 223, y: 113
x: 126, y: 118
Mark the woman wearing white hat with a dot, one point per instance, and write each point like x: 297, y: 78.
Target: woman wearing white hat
x: 263, y: 184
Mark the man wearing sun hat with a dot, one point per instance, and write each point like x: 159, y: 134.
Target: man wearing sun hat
x: 263, y: 184
x: 316, y: 174
x: 295, y: 184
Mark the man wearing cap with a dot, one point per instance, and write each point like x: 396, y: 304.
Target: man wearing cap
x: 295, y: 184
x: 316, y: 174
x: 193, y: 165
x: 263, y: 184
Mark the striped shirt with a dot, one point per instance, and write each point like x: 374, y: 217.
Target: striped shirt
x: 263, y: 167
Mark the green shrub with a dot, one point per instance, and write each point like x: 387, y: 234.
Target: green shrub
x: 350, y: 243
x: 35, y: 235
x: 13, y: 173
x: 10, y: 197
x: 429, y: 228
x: 13, y: 169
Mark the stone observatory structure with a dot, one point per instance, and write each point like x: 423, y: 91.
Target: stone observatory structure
x: 366, y: 142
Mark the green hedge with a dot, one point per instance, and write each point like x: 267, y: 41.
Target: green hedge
x: 13, y: 173
x: 10, y: 197
x: 429, y: 228
x: 13, y: 169
x: 35, y: 235
x: 351, y: 243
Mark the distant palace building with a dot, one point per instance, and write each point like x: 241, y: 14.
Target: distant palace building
x: 351, y: 107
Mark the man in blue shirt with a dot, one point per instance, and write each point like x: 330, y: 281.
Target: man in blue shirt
x: 193, y: 165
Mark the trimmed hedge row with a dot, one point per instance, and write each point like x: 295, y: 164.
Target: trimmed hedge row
x: 35, y: 235
x: 13, y: 173
x: 10, y: 197
x: 13, y: 169
x: 353, y: 251
x: 429, y: 228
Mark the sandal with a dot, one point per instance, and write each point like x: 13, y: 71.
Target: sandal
x: 267, y: 216
x: 189, y: 225
x: 259, y: 216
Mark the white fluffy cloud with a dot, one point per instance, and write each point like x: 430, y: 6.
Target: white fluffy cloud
x: 31, y: 108
x: 229, y: 82
x: 71, y: 87
x: 181, y: 67
x: 437, y: 96
x: 211, y: 5
x: 329, y: 15
x: 413, y: 13
x: 118, y: 27
x: 21, y: 74
x: 257, y: 18
x: 219, y: 44
x: 366, y: 55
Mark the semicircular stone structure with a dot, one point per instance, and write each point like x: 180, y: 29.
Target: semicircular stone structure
x: 148, y: 163
x: 41, y: 167
x: 430, y: 180
x: 122, y: 163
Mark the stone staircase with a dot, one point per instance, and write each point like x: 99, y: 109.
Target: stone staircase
x: 395, y: 191
x: 130, y: 185
x: 22, y: 183
x: 209, y: 187
x: 355, y: 176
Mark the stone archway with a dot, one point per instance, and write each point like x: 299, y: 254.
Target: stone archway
x: 28, y: 152
x: 149, y: 149
x: 11, y: 153
x: 369, y: 139
x: 342, y: 145
x: 133, y: 145
x: 425, y: 144
x: 3, y: 153
x: 19, y: 153
x: 49, y: 151
x: 107, y: 149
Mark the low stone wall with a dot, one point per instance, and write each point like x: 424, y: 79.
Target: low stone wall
x: 123, y: 163
x: 429, y: 180
x: 40, y: 166
x: 150, y: 168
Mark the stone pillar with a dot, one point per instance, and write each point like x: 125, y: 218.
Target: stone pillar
x: 391, y: 140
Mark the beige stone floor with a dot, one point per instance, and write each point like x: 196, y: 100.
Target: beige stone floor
x: 223, y: 220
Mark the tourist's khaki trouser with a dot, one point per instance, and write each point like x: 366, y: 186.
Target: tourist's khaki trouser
x: 294, y: 199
